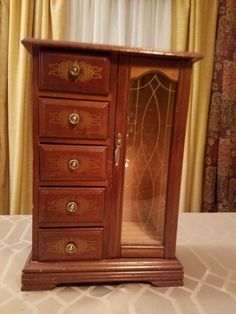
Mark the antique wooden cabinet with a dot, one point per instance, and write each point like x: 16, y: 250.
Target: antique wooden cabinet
x: 108, y: 134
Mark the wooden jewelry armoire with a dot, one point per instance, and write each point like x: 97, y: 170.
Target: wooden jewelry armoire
x: 108, y: 135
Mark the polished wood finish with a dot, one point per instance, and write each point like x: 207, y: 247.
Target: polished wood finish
x: 101, y: 48
x: 175, y: 162
x: 55, y: 162
x: 93, y: 76
x: 73, y: 206
x: 55, y: 119
x: 45, y: 275
x: 53, y: 244
x: 142, y: 251
x: 82, y: 135
x: 113, y: 246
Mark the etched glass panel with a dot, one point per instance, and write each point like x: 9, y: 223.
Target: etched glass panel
x: 150, y: 115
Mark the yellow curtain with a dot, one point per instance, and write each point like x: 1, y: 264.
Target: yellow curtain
x: 4, y: 177
x: 194, y: 29
x: 20, y: 19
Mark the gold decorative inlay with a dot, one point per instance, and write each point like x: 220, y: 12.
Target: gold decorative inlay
x: 86, y: 119
x: 62, y: 165
x: 83, y: 203
x: 81, y: 245
x: 86, y: 71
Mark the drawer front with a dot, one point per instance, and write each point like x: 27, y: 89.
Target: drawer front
x: 73, y: 119
x: 70, y: 244
x: 71, y: 205
x: 73, y: 163
x: 74, y: 72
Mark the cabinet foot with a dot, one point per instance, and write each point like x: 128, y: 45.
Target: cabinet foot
x: 171, y: 283
x: 27, y: 286
x: 47, y: 275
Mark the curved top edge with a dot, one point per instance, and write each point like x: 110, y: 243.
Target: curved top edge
x: 165, y: 54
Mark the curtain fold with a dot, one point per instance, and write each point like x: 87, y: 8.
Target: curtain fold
x: 20, y: 25
x: 219, y: 188
x: 50, y: 19
x: 125, y: 22
x: 194, y: 29
x: 4, y: 169
x: 41, y: 19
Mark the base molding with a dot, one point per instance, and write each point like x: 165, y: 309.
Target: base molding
x: 47, y: 275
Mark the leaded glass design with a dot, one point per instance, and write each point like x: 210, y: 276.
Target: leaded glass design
x: 150, y: 115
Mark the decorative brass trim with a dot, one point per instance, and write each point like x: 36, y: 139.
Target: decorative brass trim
x: 86, y: 72
x: 83, y: 204
x: 85, y: 120
x: 118, y: 148
x: 74, y: 70
x: 70, y: 248
x: 71, y: 207
x: 73, y: 164
x: 74, y: 118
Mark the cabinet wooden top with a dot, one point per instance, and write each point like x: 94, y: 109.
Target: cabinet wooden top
x: 58, y: 44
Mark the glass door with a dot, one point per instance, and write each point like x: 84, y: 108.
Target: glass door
x: 148, y: 140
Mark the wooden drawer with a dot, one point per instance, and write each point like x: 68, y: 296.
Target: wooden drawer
x: 73, y: 72
x: 70, y: 244
x: 73, y: 162
x: 73, y: 119
x: 71, y: 205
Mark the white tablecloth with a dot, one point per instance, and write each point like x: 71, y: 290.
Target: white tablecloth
x: 206, y: 247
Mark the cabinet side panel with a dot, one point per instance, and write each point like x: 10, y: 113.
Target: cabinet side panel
x: 34, y: 101
x: 176, y: 158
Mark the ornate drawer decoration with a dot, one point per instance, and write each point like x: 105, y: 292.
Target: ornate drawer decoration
x: 75, y: 70
x: 74, y: 73
x: 73, y: 163
x: 70, y: 244
x: 71, y: 205
x: 73, y: 119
